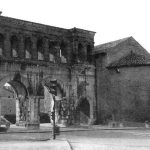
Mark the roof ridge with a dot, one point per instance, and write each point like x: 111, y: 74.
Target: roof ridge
x: 110, y: 44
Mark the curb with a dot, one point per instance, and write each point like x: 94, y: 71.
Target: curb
x: 93, y: 146
x: 71, y: 130
x: 51, y: 144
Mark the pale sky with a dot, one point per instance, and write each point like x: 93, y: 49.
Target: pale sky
x: 110, y: 19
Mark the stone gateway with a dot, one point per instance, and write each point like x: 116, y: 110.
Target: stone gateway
x: 32, y: 54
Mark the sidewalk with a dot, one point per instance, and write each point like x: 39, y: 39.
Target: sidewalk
x: 51, y: 144
x: 47, y: 127
x: 101, y: 144
x: 40, y: 141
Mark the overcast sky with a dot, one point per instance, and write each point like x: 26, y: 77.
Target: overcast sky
x: 110, y: 19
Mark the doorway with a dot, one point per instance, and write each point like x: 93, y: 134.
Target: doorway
x: 83, y: 111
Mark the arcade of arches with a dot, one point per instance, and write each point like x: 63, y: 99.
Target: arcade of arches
x: 31, y: 55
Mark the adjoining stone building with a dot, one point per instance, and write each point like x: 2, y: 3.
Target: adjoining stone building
x: 31, y: 54
x: 123, y: 81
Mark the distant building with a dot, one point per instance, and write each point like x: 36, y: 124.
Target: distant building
x: 123, y: 81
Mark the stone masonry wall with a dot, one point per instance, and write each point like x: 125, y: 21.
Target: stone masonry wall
x: 38, y: 53
x: 124, y: 95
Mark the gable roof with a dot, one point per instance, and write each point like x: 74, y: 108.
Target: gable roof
x: 110, y: 44
x: 132, y: 59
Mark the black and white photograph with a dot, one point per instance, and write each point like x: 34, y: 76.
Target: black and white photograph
x: 74, y: 75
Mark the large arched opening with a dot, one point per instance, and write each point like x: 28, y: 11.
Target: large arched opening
x: 48, y: 101
x: 83, y: 111
x: 13, y: 96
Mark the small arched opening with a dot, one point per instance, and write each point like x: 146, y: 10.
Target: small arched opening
x: 52, y: 51
x: 83, y: 111
x: 28, y: 48
x: 81, y: 54
x: 49, y: 103
x: 89, y: 53
x: 14, y: 101
x: 14, y: 46
x: 40, y: 49
x: 63, y: 52
x: 1, y: 44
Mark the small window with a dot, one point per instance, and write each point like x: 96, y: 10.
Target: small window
x: 52, y: 51
x: 63, y: 52
x: 1, y: 51
x: 89, y: 53
x: 14, y: 53
x: 40, y: 56
x: 14, y: 46
x: 40, y: 49
x: 28, y: 48
x: 27, y: 54
x: 81, y: 53
x: 51, y: 57
x: 1, y: 44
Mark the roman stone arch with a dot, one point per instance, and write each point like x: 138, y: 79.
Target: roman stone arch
x: 12, y: 84
x: 13, y: 76
x: 84, y: 110
x: 60, y: 85
x: 48, y: 101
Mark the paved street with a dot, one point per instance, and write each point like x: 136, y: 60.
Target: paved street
x: 82, y: 138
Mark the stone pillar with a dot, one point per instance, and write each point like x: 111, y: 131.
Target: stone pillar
x: 74, y: 51
x: 7, y: 46
x: 17, y: 112
x: 46, y: 50
x: 75, y: 47
x: 34, y: 48
x: 21, y: 47
x: 34, y: 109
x: 68, y: 49
x: 57, y: 49
x: 84, y: 52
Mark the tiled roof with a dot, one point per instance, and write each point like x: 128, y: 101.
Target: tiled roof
x: 132, y: 59
x: 110, y: 44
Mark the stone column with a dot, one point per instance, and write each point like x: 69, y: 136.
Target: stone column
x: 75, y: 47
x: 7, y: 45
x: 17, y: 112
x: 74, y: 51
x: 46, y: 50
x: 57, y: 49
x: 21, y: 51
x: 84, y: 52
x: 34, y: 48
x: 34, y: 120
x: 68, y: 49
